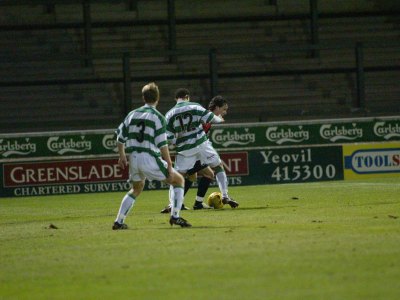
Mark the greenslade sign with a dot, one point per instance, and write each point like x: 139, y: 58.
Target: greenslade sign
x: 327, y: 132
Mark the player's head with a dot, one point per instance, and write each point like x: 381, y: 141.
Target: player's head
x: 182, y: 94
x: 150, y: 93
x: 218, y: 105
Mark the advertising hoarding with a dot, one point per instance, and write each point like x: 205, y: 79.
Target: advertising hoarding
x: 371, y: 160
x: 260, y: 153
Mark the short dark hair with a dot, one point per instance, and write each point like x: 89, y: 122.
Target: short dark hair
x: 150, y: 93
x: 181, y: 93
x: 217, y: 101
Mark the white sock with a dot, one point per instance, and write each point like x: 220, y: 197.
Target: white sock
x: 222, y: 181
x: 199, y: 199
x: 178, y: 200
x: 127, y: 202
x: 171, y: 196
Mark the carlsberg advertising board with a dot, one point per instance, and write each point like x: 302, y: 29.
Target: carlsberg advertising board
x: 327, y: 132
x: 57, y: 144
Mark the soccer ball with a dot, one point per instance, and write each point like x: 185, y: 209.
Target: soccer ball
x: 215, y: 200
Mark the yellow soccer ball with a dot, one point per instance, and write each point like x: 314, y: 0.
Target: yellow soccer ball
x: 215, y: 200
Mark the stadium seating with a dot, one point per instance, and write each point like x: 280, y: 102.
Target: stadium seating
x: 279, y: 83
x: 29, y: 56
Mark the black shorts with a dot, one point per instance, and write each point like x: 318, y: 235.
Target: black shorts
x: 197, y: 167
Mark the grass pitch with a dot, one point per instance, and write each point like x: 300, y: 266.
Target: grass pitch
x: 332, y: 240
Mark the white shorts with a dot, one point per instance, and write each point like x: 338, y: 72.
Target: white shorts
x: 143, y: 165
x: 206, y: 154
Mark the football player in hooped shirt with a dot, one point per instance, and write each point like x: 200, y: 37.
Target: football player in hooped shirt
x: 142, y: 140
x: 219, y: 106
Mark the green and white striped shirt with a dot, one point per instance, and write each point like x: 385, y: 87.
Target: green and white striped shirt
x: 143, y: 130
x: 184, y: 123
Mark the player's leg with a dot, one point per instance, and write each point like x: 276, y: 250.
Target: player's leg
x: 187, y: 167
x: 188, y: 184
x: 189, y: 179
x: 177, y: 182
x: 211, y: 157
x: 137, y: 180
x: 207, y: 176
x: 182, y: 165
x: 126, y: 204
x: 155, y: 168
x: 167, y: 209
x: 203, y: 185
x: 222, y: 181
x: 191, y: 176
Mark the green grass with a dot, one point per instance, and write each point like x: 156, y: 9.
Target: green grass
x: 338, y: 240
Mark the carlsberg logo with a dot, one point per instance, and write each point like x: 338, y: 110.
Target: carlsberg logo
x: 65, y: 145
x: 110, y: 142
x: 387, y: 131
x: 335, y: 133
x: 282, y: 135
x: 14, y: 147
x: 232, y: 138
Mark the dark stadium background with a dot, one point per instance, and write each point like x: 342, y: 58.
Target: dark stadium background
x: 68, y: 65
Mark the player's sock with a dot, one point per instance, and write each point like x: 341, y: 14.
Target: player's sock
x: 178, y: 200
x: 199, y: 199
x: 222, y: 181
x: 171, y: 196
x: 204, y: 184
x: 127, y: 203
x: 188, y: 185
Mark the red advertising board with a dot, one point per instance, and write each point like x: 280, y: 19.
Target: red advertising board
x: 235, y: 163
x: 84, y: 175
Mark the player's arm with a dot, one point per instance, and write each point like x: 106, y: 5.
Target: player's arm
x: 122, y: 160
x: 121, y: 133
x: 165, y: 155
x: 162, y: 143
x: 209, y: 117
x: 217, y: 119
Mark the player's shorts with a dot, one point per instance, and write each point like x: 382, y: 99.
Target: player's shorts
x: 206, y: 154
x: 198, y: 166
x: 144, y: 165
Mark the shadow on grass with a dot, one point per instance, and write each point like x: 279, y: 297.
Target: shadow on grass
x: 202, y: 227
x: 266, y: 207
x: 244, y: 208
